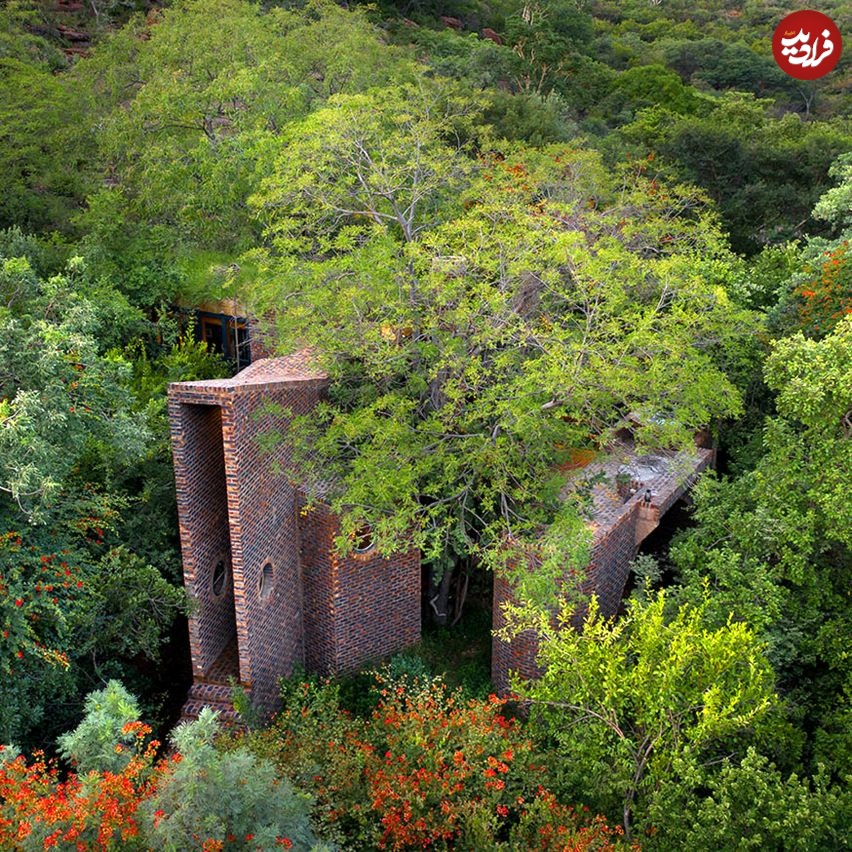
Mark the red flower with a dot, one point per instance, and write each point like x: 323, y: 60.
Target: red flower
x: 18, y: 602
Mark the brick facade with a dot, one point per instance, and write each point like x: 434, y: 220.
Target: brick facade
x: 619, y: 528
x: 288, y: 599
x: 359, y: 608
x: 203, y: 512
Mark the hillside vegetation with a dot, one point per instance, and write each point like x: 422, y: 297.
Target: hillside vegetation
x: 502, y: 227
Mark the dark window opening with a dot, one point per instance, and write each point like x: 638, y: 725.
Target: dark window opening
x: 226, y: 335
x: 220, y: 574
x: 266, y: 581
x: 363, y: 539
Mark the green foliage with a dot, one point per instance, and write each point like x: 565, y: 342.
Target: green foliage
x: 102, y: 742
x: 835, y: 205
x: 61, y: 396
x: 766, y: 174
x: 630, y: 703
x: 212, y: 85
x: 647, y: 86
x: 775, y: 543
x: 43, y: 159
x: 230, y: 797
x: 553, y: 294
x: 750, y: 805
x: 545, y: 35
x: 78, y: 601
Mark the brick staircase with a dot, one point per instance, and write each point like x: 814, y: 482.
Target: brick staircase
x: 214, y: 690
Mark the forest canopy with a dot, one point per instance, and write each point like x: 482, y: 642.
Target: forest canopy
x: 502, y: 229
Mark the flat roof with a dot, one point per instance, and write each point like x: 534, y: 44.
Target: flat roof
x: 667, y: 474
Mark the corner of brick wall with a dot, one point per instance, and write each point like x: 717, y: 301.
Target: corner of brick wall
x: 358, y: 608
x: 196, y: 433
x: 517, y: 656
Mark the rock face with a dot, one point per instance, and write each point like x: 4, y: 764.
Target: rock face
x: 493, y: 36
x: 451, y: 23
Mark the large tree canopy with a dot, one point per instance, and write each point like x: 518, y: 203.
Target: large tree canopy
x: 482, y: 307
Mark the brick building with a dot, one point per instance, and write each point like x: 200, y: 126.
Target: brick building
x: 270, y: 591
x: 630, y: 492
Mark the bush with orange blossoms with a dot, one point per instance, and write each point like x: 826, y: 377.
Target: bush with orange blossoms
x: 428, y: 769
x: 96, y: 811
x: 825, y: 296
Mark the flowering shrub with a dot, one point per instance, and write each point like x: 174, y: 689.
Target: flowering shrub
x: 826, y: 296
x: 199, y: 799
x: 428, y: 769
x: 439, y: 768
x: 98, y: 811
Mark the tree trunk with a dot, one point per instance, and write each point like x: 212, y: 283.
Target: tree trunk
x: 439, y: 597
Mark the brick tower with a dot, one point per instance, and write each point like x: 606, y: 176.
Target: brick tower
x: 270, y: 591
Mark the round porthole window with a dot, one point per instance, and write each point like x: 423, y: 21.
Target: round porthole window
x: 363, y: 539
x: 220, y: 574
x: 266, y: 581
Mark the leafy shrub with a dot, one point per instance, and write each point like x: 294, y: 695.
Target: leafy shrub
x: 214, y: 800
x: 101, y: 742
x: 429, y: 768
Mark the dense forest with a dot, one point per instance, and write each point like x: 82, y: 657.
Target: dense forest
x: 501, y: 227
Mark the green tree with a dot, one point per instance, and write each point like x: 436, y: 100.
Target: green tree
x: 775, y: 543
x: 766, y: 174
x: 230, y: 797
x: 183, y: 104
x: 76, y: 603
x: 631, y: 703
x: 477, y: 314
x: 749, y: 804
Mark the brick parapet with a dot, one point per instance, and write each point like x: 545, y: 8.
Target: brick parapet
x: 618, y: 534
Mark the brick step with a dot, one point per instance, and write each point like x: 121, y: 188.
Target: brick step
x: 216, y: 696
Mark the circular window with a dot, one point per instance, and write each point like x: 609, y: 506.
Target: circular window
x: 266, y: 581
x: 363, y: 539
x: 220, y: 574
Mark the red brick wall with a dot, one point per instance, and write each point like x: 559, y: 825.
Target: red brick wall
x: 609, y: 564
x: 320, y: 578
x: 263, y: 516
x: 515, y: 656
x: 613, y: 549
x: 237, y: 499
x: 203, y: 517
x: 374, y: 602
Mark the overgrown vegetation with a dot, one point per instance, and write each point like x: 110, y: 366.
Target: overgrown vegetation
x: 502, y: 227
